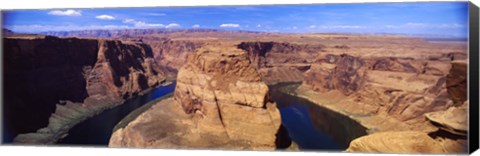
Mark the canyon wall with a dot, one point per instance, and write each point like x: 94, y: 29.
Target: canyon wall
x: 450, y: 135
x: 219, y: 102
x: 268, y: 54
x: 172, y: 54
x: 276, y: 61
x: 400, y: 92
x: 403, y: 88
x: 41, y: 72
x: 281, y: 61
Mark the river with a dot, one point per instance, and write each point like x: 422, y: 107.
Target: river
x: 310, y: 126
x: 96, y: 131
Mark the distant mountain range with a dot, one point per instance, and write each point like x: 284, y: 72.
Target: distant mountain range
x: 140, y: 32
x: 7, y: 32
x: 122, y: 33
x: 435, y: 37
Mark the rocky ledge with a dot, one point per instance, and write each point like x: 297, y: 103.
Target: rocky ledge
x: 219, y: 102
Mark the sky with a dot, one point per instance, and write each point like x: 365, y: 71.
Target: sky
x: 435, y: 18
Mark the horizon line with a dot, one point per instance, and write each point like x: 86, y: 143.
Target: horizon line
x: 426, y: 35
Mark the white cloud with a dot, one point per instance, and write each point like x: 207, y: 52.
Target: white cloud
x: 259, y: 25
x: 416, y: 24
x: 229, y: 25
x: 295, y: 28
x: 335, y: 27
x: 105, y: 17
x: 448, y: 26
x: 141, y: 24
x: 129, y: 21
x: 196, y: 26
x: 69, y: 12
x: 156, y: 14
x: 390, y: 26
x: 341, y: 27
x: 172, y: 25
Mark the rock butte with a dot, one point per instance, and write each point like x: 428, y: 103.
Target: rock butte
x: 219, y: 102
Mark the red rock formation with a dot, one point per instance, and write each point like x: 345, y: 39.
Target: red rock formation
x: 406, y: 88
x: 281, y: 61
x: 335, y: 72
x: 42, y: 71
x: 225, y: 77
x: 219, y: 102
x: 398, y: 65
x: 269, y: 54
x: 457, y: 82
x: 172, y: 54
x: 276, y: 75
x: 400, y: 91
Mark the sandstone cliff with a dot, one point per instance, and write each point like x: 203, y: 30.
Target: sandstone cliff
x: 393, y: 95
x: 454, y: 119
x: 172, y: 54
x: 281, y: 61
x: 268, y: 54
x: 219, y: 102
x: 45, y: 74
x: 402, y: 88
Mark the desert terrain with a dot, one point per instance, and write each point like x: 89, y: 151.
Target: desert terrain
x: 408, y: 93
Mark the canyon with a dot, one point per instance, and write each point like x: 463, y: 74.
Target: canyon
x: 409, y: 105
x: 52, y: 83
x: 219, y: 102
x: 409, y: 93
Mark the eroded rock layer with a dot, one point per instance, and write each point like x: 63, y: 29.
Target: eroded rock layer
x: 42, y: 72
x: 281, y: 61
x: 172, y: 54
x: 393, y: 95
x: 219, y: 102
x: 396, y: 142
x: 404, y: 89
x: 454, y: 119
x: 386, y: 83
x: 457, y: 81
x: 268, y: 54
